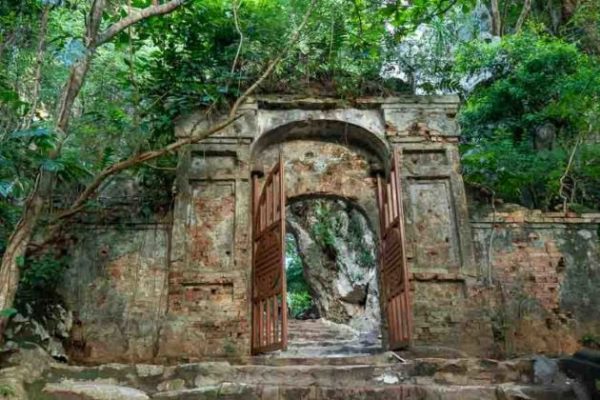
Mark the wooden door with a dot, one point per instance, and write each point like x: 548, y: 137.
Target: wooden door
x: 394, y: 268
x: 269, y: 307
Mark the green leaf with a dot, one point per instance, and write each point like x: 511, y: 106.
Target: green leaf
x: 8, y: 96
x: 8, y: 312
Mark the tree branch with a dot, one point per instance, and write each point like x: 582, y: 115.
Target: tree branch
x: 293, y: 39
x: 152, y: 154
x: 145, y: 13
x: 235, y: 7
x: 39, y: 61
x: 561, y: 181
x: 137, y: 159
x: 524, y: 12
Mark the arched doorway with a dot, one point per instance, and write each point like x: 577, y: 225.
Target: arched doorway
x: 324, y: 158
x: 331, y: 274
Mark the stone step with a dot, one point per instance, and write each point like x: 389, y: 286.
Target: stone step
x: 237, y: 391
x: 319, y: 330
x: 348, y: 375
x: 360, y: 359
x: 322, y: 343
x: 292, y: 336
x: 330, y: 351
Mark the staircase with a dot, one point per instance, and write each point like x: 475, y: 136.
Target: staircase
x: 324, y: 361
x: 322, y: 338
x: 379, y: 376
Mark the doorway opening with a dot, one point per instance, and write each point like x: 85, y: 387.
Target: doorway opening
x: 331, y: 274
x: 323, y: 220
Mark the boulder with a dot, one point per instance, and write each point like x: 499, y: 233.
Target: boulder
x: 546, y: 371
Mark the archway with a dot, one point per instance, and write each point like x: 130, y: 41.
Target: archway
x: 324, y: 159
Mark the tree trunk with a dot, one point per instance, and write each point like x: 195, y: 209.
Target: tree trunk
x: 16, y: 247
x: 496, y: 19
x: 18, y: 241
x: 39, y: 61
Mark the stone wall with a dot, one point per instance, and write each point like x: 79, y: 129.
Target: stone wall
x: 330, y: 148
x: 537, y: 292
x: 321, y: 169
x: 116, y: 287
x: 181, y: 291
x: 547, y: 269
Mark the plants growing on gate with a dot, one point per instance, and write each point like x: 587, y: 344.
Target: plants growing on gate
x: 94, y: 90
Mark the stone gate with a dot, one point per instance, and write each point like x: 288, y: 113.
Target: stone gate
x: 179, y: 289
x: 331, y: 149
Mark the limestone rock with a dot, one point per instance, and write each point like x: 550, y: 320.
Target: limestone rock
x: 337, y: 248
x: 56, y: 350
x: 93, y: 391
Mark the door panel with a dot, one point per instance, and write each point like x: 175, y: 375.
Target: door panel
x: 269, y: 306
x: 394, y: 268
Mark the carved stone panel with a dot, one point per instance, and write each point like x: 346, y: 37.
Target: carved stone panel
x: 213, y: 165
x: 431, y: 222
x: 211, y: 226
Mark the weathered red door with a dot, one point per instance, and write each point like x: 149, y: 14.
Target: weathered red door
x: 394, y: 268
x: 269, y: 307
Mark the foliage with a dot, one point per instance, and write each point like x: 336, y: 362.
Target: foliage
x: 590, y: 340
x: 7, y: 391
x: 534, y: 80
x: 163, y: 68
x: 40, y: 279
x: 298, y: 292
x: 356, y: 237
x: 299, y: 303
x: 324, y: 227
x: 8, y: 312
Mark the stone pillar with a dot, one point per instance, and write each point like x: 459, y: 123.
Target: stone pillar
x: 439, y: 242
x: 438, y: 231
x: 208, y: 312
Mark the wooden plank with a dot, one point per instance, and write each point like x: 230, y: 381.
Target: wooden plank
x: 269, y: 321
x: 276, y: 318
x: 282, y: 237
